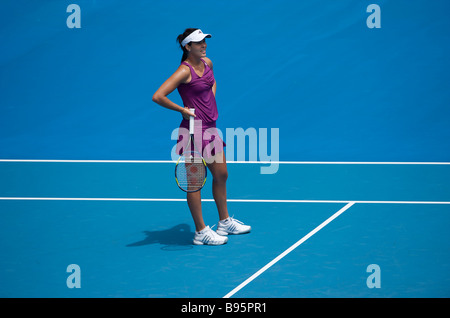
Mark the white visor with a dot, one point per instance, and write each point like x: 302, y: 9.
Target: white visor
x: 195, y: 36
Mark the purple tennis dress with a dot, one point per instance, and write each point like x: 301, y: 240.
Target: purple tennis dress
x: 198, y: 94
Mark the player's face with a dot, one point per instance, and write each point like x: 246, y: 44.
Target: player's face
x: 198, y: 49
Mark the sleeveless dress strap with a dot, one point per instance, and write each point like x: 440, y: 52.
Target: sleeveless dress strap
x: 190, y: 67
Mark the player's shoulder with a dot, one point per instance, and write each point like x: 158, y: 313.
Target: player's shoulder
x: 183, y: 71
x: 208, y: 61
x: 183, y: 68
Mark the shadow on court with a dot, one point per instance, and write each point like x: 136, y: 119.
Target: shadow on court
x: 176, y: 238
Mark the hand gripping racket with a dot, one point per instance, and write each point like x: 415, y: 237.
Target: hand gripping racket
x: 190, y: 170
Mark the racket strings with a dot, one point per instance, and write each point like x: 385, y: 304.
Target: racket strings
x: 191, y: 172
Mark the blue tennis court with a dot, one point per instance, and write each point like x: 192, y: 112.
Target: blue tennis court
x: 353, y: 100
x: 128, y: 244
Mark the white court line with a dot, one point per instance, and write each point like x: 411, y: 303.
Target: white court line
x: 232, y: 162
x: 212, y: 200
x: 339, y: 201
x: 290, y: 249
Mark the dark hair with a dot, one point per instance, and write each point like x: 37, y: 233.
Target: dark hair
x: 180, y: 39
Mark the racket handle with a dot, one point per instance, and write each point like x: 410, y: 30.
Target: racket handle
x: 191, y: 122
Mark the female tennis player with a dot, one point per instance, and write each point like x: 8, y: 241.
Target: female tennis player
x: 196, y: 85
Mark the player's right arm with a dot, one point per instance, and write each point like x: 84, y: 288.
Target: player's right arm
x: 181, y: 75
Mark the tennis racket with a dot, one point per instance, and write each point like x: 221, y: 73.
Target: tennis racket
x: 190, y: 170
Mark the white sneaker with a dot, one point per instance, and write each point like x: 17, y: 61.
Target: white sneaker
x: 208, y: 237
x: 232, y: 226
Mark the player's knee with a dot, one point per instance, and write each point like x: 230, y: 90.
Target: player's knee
x: 221, y: 176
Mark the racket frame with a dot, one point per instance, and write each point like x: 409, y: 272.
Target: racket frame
x: 191, y: 141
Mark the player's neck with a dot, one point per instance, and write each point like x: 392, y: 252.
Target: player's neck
x: 194, y: 61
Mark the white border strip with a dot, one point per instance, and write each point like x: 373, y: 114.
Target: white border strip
x: 290, y: 249
x: 212, y: 200
x: 239, y: 162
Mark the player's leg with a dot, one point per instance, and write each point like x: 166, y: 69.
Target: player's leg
x: 219, y: 172
x: 227, y: 225
x: 194, y: 201
x: 204, y: 235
